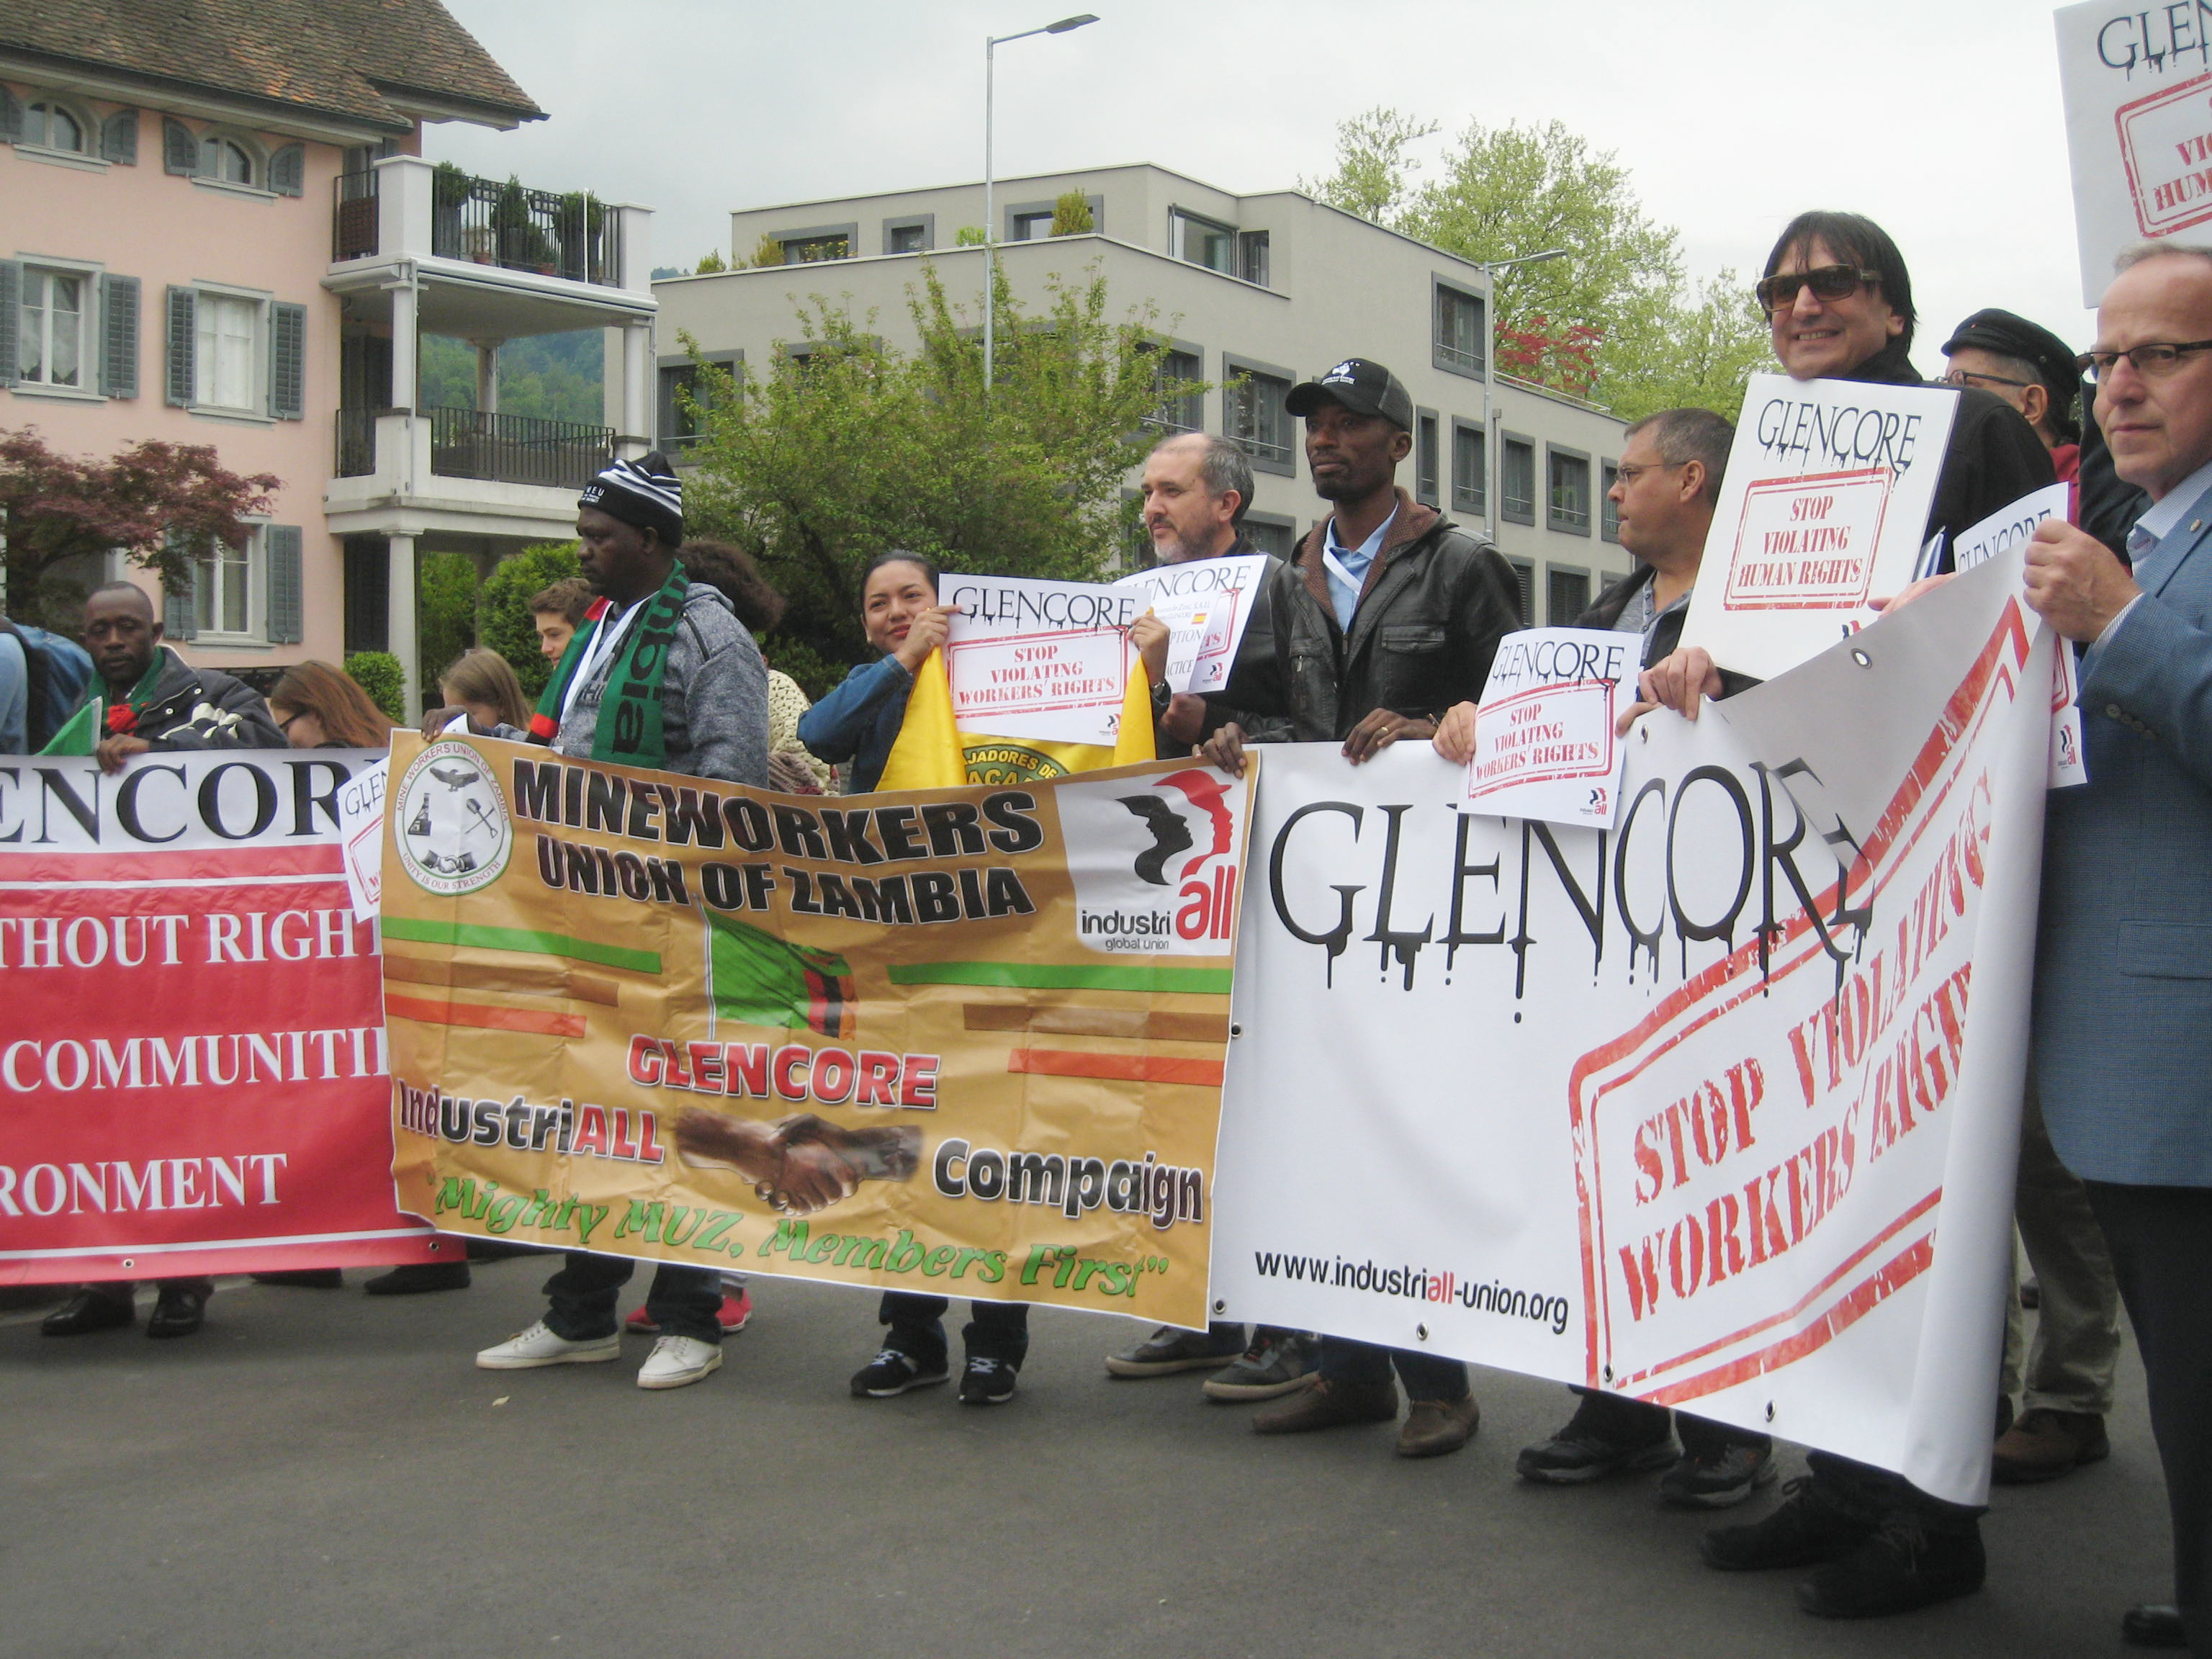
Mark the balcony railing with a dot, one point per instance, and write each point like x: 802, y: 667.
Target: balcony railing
x: 574, y: 236
x: 517, y: 448
x: 357, y: 456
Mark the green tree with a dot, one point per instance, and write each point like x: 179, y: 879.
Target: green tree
x: 377, y: 673
x: 503, y: 619
x: 1615, y: 319
x: 846, y: 446
x: 445, y: 612
x: 1072, y: 215
x: 711, y: 262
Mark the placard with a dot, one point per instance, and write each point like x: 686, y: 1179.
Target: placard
x: 1206, y: 603
x: 1041, y: 659
x: 1544, y: 746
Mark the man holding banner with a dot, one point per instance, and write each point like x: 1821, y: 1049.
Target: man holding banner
x: 661, y: 675
x: 2121, y: 965
x: 1388, y: 615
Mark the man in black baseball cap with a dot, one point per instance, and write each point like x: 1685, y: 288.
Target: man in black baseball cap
x: 1363, y: 387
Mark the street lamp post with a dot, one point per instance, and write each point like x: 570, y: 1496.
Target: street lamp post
x: 991, y: 44
x: 1490, y: 444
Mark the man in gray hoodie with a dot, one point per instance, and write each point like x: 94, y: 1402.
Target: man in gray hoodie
x: 660, y: 674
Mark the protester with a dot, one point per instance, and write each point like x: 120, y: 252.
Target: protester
x: 657, y: 641
x: 1665, y: 489
x: 557, y: 612
x: 15, y: 694
x: 731, y: 571
x: 2071, y: 1366
x: 2122, y: 999
x: 154, y: 703
x: 316, y: 706
x: 1330, y: 666
x: 1839, y: 301
x: 480, y: 681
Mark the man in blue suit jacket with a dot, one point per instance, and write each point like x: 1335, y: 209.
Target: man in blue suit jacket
x: 2124, y: 965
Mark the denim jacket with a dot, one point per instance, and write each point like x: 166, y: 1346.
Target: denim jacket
x: 860, y: 721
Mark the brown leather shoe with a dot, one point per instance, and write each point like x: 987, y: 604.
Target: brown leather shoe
x: 1433, y: 1427
x: 1329, y: 1405
x: 2046, y: 1444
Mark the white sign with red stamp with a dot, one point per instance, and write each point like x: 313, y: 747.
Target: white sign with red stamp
x: 1544, y: 744
x: 2004, y: 530
x: 1041, y: 659
x: 1823, y: 508
x: 1206, y: 604
x: 360, y: 836
x: 2137, y: 86
x: 1717, y: 1107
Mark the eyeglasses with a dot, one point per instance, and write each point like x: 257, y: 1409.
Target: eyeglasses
x: 2150, y: 361
x: 285, y: 726
x: 1827, y: 281
x: 1629, y: 474
x: 1975, y: 377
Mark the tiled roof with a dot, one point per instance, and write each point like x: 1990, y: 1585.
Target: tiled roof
x: 344, y: 58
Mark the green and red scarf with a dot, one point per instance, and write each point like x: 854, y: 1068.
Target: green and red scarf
x: 109, y: 716
x: 630, y: 731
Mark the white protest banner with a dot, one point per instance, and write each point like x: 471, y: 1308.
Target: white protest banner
x: 2137, y: 85
x: 1824, y: 506
x: 1715, y: 1109
x: 2002, y: 532
x: 1041, y: 659
x: 1206, y: 604
x: 360, y: 837
x: 1544, y: 746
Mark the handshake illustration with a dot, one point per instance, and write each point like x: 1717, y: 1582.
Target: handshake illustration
x: 797, y: 1164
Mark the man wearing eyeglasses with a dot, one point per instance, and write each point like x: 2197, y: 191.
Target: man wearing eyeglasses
x: 2124, y: 957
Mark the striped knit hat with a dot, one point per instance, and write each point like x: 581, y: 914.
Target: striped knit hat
x: 645, y: 493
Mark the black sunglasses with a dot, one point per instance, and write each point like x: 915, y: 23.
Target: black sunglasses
x: 1828, y: 282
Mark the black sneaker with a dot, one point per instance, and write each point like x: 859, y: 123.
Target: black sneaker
x: 987, y: 1381
x: 893, y: 1372
x: 1585, y: 1450
x: 1718, y: 1479
x: 1901, y: 1566
x: 1809, y: 1527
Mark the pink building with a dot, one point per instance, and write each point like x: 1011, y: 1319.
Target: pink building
x: 215, y: 228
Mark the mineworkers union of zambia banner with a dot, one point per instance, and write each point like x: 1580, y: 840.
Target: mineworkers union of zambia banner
x: 1717, y: 1108
x: 192, y: 1050
x: 966, y: 1041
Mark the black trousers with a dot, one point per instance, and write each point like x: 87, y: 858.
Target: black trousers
x: 2160, y: 1238
x: 995, y: 1330
x: 1635, y: 1420
x: 683, y: 1300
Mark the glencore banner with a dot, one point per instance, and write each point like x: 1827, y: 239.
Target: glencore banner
x: 965, y: 1040
x: 192, y: 1072
x: 1717, y: 1108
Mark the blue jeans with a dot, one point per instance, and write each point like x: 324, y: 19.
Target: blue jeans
x: 683, y: 1300
x: 996, y: 1330
x: 1426, y: 1376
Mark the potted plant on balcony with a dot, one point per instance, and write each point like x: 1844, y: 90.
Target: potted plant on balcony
x: 522, y: 245
x: 449, y: 190
x: 577, y: 222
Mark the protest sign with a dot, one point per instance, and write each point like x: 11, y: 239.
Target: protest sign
x: 1206, y: 604
x: 2008, y: 530
x: 1715, y: 1109
x: 966, y: 1041
x: 193, y: 1067
x: 1039, y: 660
x: 1544, y: 744
x: 1824, y: 507
x: 360, y: 836
x: 2137, y: 86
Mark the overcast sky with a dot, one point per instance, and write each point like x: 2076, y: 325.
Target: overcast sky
x: 1940, y: 118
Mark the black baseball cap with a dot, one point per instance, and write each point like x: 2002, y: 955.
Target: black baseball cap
x: 1363, y: 387
x: 2010, y: 336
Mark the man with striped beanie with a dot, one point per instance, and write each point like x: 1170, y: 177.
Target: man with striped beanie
x: 659, y: 674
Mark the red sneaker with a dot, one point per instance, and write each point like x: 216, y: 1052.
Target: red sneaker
x: 736, y: 1310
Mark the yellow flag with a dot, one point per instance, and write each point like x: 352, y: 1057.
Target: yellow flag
x: 932, y: 753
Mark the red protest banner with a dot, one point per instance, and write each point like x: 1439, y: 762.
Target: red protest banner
x: 192, y: 1070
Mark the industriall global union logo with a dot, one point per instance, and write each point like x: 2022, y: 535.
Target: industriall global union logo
x: 450, y: 821
x: 1156, y: 874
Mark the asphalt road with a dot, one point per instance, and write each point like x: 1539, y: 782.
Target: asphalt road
x: 317, y: 1472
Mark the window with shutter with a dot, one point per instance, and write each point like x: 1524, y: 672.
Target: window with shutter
x: 177, y: 621
x: 288, y: 362
x: 11, y: 117
x: 184, y: 332
x: 118, y: 138
x: 119, y: 335
x: 11, y: 301
x: 283, y: 541
x: 288, y: 170
x: 180, y: 148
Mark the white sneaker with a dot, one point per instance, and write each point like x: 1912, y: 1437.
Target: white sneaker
x: 675, y: 1360
x: 526, y: 1350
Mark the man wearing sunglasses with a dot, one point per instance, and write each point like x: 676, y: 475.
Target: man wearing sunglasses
x: 2123, y: 960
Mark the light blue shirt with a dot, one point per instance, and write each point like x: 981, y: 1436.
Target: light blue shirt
x: 1347, y: 567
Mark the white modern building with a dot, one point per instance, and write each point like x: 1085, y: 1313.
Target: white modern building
x: 1255, y: 294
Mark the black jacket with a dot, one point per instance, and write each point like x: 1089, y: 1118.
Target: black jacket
x: 204, y: 708
x: 1218, y: 712
x: 1435, y: 604
x: 1992, y: 459
x: 1666, y: 632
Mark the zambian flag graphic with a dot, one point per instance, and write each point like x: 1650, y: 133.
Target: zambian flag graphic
x: 757, y: 978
